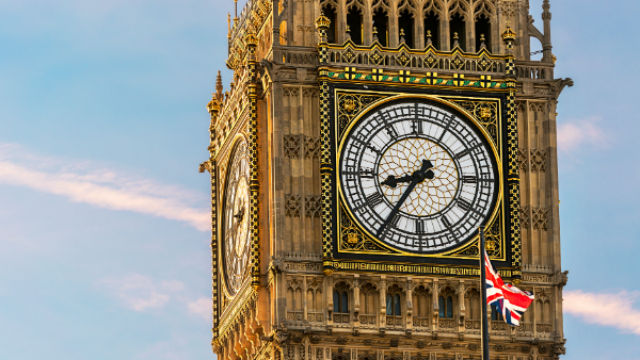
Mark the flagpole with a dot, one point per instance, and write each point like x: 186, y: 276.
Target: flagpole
x: 483, y: 305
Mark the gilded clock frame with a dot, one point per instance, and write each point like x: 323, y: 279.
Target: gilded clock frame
x: 378, y: 257
x: 240, y: 137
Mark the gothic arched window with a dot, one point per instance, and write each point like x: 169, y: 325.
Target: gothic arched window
x: 406, y: 23
x: 483, y: 32
x: 394, y: 305
x: 381, y: 25
x: 446, y: 303
x: 457, y: 28
x: 421, y: 307
x: 355, y: 24
x: 432, y: 29
x: 341, y: 299
x: 472, y: 299
x: 329, y: 10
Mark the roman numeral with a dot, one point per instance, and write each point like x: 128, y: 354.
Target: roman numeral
x: 464, y: 204
x: 420, y: 227
x: 394, y: 220
x: 366, y: 173
x: 448, y: 121
x: 374, y: 200
x: 466, y: 152
x: 446, y: 222
x: 470, y: 179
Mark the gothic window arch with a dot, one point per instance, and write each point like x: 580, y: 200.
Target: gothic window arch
x: 295, y: 300
x: 294, y: 295
x: 432, y: 11
x: 368, y: 304
x: 314, y: 300
x: 341, y: 295
x: 484, y: 13
x: 447, y: 303
x: 394, y: 300
x: 330, y: 10
x: 472, y: 304
x: 422, y: 305
x: 355, y: 21
x: 406, y: 22
x: 458, y: 24
x: 380, y: 17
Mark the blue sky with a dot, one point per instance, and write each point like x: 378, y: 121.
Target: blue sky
x: 103, y: 215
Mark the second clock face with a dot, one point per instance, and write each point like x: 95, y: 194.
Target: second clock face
x: 418, y: 176
x: 235, y: 221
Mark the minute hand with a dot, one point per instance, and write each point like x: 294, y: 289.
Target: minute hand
x: 417, y: 177
x: 396, y: 208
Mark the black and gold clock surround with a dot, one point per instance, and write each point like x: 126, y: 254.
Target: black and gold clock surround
x: 355, y: 245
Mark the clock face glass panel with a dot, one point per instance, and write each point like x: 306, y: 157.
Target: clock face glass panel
x: 418, y: 176
x: 235, y: 221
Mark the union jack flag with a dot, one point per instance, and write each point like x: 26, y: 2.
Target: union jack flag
x: 510, y: 301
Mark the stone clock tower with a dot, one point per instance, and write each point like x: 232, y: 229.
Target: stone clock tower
x: 361, y: 145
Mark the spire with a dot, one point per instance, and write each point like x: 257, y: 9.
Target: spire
x: 235, y: 18
x: 219, y: 87
x: 547, y: 56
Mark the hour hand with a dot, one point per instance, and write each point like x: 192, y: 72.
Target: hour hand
x: 393, y: 181
x: 418, y: 176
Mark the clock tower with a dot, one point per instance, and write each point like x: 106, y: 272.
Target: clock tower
x: 358, y: 150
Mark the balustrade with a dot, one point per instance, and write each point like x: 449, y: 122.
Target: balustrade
x: 341, y: 318
x: 421, y: 321
x: 447, y: 323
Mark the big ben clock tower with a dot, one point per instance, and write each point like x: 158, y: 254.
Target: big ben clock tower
x: 361, y: 145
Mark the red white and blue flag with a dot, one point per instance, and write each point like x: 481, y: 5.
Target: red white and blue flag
x: 510, y: 301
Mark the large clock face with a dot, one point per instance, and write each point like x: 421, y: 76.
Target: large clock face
x: 418, y: 176
x: 235, y: 221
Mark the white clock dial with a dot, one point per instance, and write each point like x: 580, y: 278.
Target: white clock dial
x: 418, y: 176
x: 235, y: 221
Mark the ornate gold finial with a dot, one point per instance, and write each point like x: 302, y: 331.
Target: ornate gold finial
x: 219, y: 86
x: 483, y: 40
x: 508, y: 35
x: 375, y: 34
x: 323, y: 22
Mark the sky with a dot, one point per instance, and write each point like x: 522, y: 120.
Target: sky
x: 104, y: 217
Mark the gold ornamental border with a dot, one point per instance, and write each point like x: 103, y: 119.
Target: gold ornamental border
x: 239, y: 137
x: 499, y: 205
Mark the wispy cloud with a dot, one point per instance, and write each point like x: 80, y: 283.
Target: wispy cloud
x: 200, y: 307
x: 608, y: 309
x: 105, y: 188
x: 580, y: 133
x: 139, y: 292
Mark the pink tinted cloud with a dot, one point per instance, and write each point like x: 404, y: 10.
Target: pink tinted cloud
x: 200, y: 307
x: 104, y: 188
x: 608, y: 309
x: 139, y: 292
x: 581, y: 133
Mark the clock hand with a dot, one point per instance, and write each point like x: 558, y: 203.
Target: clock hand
x: 240, y: 214
x: 417, y: 177
x: 392, y: 181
